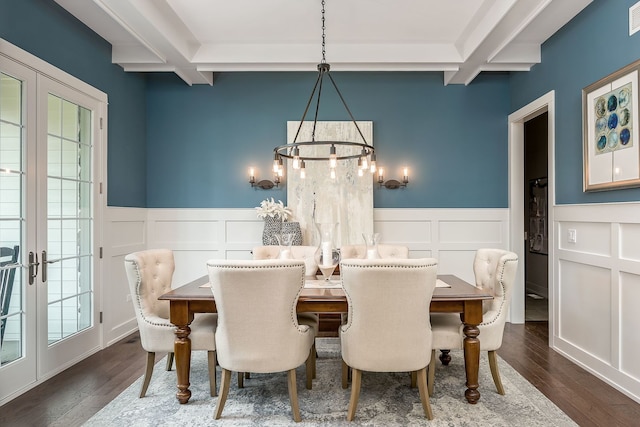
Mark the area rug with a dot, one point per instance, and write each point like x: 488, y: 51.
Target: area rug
x: 386, y: 399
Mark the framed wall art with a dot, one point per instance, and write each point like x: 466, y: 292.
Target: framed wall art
x: 610, y: 131
x: 347, y: 199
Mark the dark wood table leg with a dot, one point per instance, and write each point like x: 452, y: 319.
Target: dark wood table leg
x: 445, y: 357
x: 181, y: 317
x: 472, y: 317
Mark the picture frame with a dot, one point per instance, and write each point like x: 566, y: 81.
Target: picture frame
x: 610, y: 118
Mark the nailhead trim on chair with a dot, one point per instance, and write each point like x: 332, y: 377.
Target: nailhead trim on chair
x: 504, y: 300
x: 293, y: 315
x: 347, y: 325
x: 138, y: 281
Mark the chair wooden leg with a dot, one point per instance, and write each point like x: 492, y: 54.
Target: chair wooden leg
x: 151, y: 358
x: 247, y: 375
x: 169, y: 361
x: 315, y: 357
x: 211, y: 357
x: 432, y: 372
x: 424, y: 397
x: 355, y: 393
x: 225, y: 382
x: 309, y: 364
x: 345, y: 375
x: 293, y: 395
x: 240, y: 379
x: 414, y: 379
x: 495, y: 373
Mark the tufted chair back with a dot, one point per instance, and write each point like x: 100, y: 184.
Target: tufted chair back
x: 495, y: 270
x: 150, y: 274
x: 385, y: 251
x: 399, y: 340
x: 258, y: 330
x: 304, y: 253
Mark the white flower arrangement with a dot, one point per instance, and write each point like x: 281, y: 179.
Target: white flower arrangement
x: 271, y: 208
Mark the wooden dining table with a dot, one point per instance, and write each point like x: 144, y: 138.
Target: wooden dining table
x: 460, y: 297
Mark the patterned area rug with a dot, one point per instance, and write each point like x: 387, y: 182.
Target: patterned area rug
x: 385, y: 399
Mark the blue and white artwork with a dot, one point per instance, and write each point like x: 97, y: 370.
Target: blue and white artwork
x: 613, y: 125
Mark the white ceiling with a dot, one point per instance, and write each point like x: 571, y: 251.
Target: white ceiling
x: 195, y: 38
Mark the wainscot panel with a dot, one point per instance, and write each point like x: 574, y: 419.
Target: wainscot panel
x: 125, y: 231
x: 596, y: 289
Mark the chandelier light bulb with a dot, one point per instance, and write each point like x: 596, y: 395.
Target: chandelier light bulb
x: 296, y: 158
x: 332, y: 157
x: 332, y: 174
x: 303, y: 173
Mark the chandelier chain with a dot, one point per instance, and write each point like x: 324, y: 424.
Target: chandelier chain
x: 324, y: 60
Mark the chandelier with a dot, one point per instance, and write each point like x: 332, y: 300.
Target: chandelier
x: 331, y: 151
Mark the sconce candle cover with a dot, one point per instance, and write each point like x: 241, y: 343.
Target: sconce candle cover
x: 264, y: 184
x: 393, y: 184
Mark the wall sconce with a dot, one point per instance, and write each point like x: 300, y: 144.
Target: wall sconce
x: 264, y: 184
x: 393, y: 184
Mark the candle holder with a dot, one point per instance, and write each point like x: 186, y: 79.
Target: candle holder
x: 327, y: 255
x: 285, y: 240
x: 393, y: 184
x: 371, y: 242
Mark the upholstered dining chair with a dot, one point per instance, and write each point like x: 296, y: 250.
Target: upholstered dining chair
x: 399, y: 341
x: 306, y: 254
x: 258, y: 330
x: 360, y: 252
x: 495, y: 270
x: 385, y: 251
x: 150, y: 274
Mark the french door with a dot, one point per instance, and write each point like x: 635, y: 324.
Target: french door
x: 50, y: 140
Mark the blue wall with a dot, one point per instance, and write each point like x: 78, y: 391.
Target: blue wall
x: 46, y: 30
x: 202, y: 139
x: 591, y: 46
x: 194, y: 145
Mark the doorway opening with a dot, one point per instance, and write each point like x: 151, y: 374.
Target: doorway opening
x: 518, y: 198
x: 536, y: 224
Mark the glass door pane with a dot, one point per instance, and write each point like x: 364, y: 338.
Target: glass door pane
x: 69, y: 219
x: 11, y: 220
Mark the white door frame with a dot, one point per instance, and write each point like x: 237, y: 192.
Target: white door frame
x: 20, y: 56
x: 545, y: 103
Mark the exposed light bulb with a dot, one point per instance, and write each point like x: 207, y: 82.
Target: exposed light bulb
x: 365, y: 163
x: 373, y: 163
x: 333, y: 174
x: 333, y: 160
x: 360, y: 172
x: 296, y: 158
x: 303, y: 173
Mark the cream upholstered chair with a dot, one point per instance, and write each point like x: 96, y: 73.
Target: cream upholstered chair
x: 306, y: 254
x: 399, y: 341
x: 258, y: 330
x: 150, y: 274
x: 385, y: 251
x: 360, y: 252
x: 495, y: 270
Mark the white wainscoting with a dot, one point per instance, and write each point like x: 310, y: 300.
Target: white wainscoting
x: 125, y: 231
x: 196, y: 235
x: 596, y: 292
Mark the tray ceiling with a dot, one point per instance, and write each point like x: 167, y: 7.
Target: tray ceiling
x: 196, y: 38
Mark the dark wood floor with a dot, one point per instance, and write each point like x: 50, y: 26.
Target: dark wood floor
x: 73, y: 396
